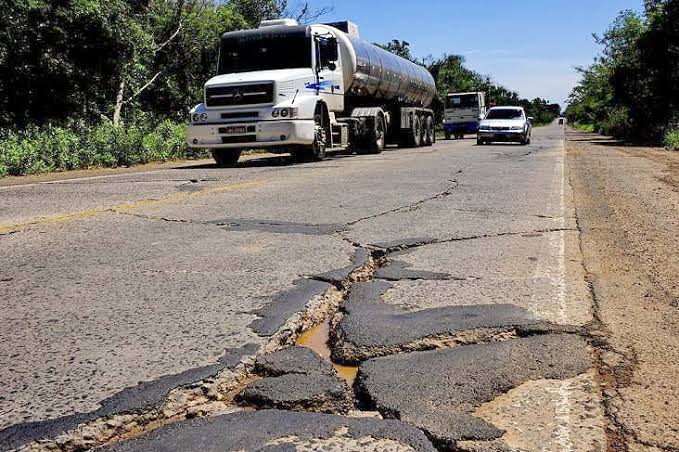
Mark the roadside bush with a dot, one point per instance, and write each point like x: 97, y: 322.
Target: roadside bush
x: 617, y: 123
x: 50, y: 148
x: 672, y: 140
x: 584, y: 127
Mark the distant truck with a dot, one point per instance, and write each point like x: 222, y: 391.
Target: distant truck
x: 463, y: 111
x: 310, y: 89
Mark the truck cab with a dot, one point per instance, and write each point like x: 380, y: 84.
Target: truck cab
x: 463, y: 111
x: 266, y: 90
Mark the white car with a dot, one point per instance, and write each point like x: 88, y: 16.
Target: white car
x: 507, y: 124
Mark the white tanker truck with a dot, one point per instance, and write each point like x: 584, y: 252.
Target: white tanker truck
x: 310, y: 89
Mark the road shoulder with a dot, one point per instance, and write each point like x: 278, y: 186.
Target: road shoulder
x: 627, y: 206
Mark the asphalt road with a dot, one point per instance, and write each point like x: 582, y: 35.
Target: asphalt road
x: 115, y: 289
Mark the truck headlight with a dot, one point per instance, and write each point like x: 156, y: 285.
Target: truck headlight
x: 198, y: 118
x: 517, y: 128
x: 284, y: 112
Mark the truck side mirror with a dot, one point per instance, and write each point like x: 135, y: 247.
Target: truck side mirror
x: 332, y: 51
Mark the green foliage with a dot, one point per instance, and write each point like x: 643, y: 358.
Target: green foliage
x: 49, y: 148
x: 632, y: 89
x: 672, y: 140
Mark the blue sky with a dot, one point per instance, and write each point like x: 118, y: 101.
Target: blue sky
x: 530, y: 46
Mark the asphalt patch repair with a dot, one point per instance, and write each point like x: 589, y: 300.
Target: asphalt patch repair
x: 369, y: 328
x: 439, y: 390
x: 297, y: 379
x: 281, y: 431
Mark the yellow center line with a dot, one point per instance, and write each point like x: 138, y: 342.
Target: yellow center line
x: 174, y: 197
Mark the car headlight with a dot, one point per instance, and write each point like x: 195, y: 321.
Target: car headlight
x: 517, y: 128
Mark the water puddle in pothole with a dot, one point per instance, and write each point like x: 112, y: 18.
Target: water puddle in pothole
x: 317, y: 339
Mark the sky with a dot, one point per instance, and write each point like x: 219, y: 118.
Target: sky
x: 529, y: 46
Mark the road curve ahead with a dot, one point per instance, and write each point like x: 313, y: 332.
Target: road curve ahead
x: 453, y: 275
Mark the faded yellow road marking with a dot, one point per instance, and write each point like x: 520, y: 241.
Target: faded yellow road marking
x: 174, y: 197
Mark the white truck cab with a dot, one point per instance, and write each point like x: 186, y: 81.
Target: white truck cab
x: 305, y: 89
x: 463, y: 111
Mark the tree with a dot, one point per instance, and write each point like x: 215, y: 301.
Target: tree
x: 400, y: 48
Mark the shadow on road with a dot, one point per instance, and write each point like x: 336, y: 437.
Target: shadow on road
x: 276, y: 161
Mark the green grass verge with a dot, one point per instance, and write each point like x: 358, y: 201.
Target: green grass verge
x: 39, y: 150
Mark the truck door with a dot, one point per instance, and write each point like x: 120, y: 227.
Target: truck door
x: 329, y: 69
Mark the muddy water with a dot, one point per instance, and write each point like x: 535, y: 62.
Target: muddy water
x: 317, y: 339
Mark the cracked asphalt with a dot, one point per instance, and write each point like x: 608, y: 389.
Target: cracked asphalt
x: 139, y: 282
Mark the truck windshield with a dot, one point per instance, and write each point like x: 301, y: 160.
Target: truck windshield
x: 465, y: 101
x: 263, y: 53
x: 504, y: 113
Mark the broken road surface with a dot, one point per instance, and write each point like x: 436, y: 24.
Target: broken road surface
x: 160, y: 310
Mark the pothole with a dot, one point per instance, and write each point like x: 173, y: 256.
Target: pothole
x: 317, y: 339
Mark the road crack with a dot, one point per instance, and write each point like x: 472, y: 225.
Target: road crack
x: 452, y: 185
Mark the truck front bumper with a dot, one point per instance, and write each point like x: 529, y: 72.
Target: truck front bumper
x: 252, y: 135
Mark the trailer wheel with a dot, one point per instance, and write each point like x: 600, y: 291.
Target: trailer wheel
x: 226, y: 157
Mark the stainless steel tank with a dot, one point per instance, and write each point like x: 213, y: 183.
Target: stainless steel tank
x: 371, y: 71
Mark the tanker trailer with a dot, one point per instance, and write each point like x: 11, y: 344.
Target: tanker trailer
x: 308, y: 90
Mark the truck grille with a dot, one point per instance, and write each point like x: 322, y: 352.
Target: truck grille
x: 226, y: 96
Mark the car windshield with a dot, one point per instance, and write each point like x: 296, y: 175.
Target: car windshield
x: 261, y: 53
x: 504, y: 113
x: 464, y: 101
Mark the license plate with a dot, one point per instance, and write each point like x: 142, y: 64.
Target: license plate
x: 233, y: 129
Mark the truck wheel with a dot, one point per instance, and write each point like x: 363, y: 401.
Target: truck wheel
x: 226, y: 157
x: 429, y: 131
x: 377, y: 141
x: 318, y: 147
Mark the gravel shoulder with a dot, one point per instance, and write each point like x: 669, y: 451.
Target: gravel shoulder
x: 627, y: 203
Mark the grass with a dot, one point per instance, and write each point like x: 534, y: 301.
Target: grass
x: 672, y: 140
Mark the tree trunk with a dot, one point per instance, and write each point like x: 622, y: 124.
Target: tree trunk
x: 120, y: 101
